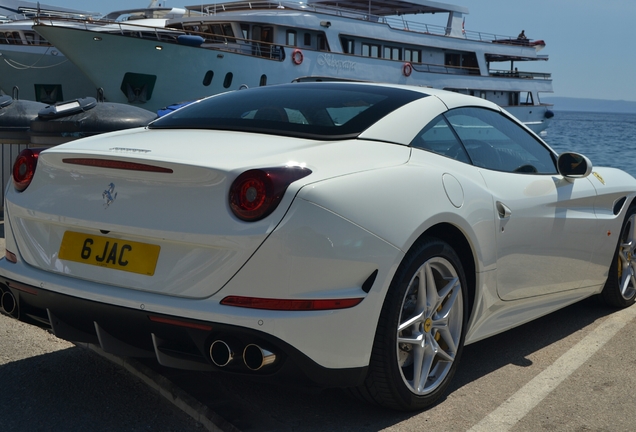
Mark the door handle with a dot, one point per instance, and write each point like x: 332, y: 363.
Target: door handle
x: 503, y: 210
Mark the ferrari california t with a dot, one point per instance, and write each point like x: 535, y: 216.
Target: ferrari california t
x: 339, y: 234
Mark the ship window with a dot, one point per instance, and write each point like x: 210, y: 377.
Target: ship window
x: 291, y: 37
x: 526, y: 98
x: 469, y: 60
x: 392, y: 53
x: 452, y: 59
x: 30, y: 37
x: 227, y: 82
x: 13, y: 38
x: 207, y: 79
x: 216, y: 29
x: 264, y: 34
x: 347, y: 45
x: 245, y: 30
x: 307, y: 40
x: 227, y: 30
x: 411, y: 55
x: 370, y: 50
x: 263, y: 81
x: 322, y: 43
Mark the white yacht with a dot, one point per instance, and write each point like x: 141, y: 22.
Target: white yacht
x: 31, y: 68
x: 237, y: 44
x: 20, y: 9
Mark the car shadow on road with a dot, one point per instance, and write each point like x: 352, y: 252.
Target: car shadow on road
x: 73, y: 390
x: 514, y: 346
x: 255, y: 406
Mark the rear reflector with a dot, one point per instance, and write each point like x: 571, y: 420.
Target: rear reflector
x: 23, y: 288
x: 179, y: 323
x: 10, y: 256
x: 116, y: 164
x: 290, y: 305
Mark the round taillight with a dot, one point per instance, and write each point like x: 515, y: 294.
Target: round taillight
x: 24, y: 168
x: 256, y: 193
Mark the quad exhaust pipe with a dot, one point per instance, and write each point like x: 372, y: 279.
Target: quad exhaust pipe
x: 9, y: 304
x: 221, y: 353
x: 254, y: 357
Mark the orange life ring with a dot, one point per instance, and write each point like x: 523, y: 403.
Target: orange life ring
x: 297, y: 56
x: 407, y: 69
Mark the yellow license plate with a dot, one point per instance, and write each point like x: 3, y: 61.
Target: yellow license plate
x: 109, y: 252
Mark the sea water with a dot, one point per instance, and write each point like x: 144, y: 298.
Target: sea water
x: 606, y: 139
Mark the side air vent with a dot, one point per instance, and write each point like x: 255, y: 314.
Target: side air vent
x: 366, y: 286
x: 618, y: 205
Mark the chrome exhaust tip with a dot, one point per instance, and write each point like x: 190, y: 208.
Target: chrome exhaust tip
x: 9, y: 304
x: 256, y: 357
x: 221, y: 353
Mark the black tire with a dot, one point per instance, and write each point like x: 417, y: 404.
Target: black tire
x: 620, y: 289
x: 439, y: 321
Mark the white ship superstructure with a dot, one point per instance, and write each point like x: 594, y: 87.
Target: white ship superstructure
x: 32, y: 68
x: 246, y: 44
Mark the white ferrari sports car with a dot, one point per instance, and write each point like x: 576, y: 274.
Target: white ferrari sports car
x: 349, y: 235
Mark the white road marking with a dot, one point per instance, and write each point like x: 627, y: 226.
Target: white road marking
x: 519, y: 404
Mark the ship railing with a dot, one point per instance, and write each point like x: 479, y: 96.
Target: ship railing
x: 251, y: 47
x: 445, y: 69
x: 520, y: 74
x: 393, y: 21
x: 163, y: 34
x: 124, y: 28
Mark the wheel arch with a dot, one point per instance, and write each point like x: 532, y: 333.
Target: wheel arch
x: 460, y: 244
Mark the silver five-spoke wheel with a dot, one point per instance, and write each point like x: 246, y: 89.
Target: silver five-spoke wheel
x: 430, y: 326
x: 620, y: 288
x: 627, y: 261
x: 420, y: 334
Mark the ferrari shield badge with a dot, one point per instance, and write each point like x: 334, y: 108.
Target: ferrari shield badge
x: 109, y: 195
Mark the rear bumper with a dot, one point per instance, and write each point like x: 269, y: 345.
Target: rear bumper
x: 174, y: 341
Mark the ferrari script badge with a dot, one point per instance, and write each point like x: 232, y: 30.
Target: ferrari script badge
x: 109, y: 195
x: 598, y: 176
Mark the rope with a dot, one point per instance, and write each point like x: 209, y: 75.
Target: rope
x: 19, y: 66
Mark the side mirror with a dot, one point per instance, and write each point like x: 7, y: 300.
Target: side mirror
x: 574, y: 165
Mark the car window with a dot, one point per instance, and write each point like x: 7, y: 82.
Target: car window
x: 440, y: 138
x: 326, y: 111
x: 272, y: 113
x: 495, y: 142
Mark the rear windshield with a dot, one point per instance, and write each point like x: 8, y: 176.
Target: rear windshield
x: 307, y: 110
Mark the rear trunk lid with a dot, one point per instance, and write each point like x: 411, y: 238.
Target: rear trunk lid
x: 170, y: 232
